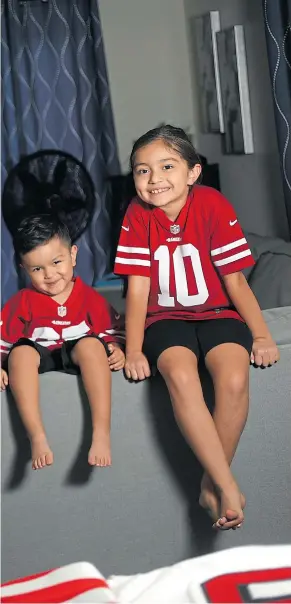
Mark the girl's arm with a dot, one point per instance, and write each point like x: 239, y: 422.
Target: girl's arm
x: 265, y: 351
x: 136, y: 365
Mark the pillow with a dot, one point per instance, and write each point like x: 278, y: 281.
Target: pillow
x: 270, y: 280
x: 260, y: 244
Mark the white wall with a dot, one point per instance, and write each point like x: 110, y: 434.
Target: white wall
x: 152, y: 80
x: 148, y: 67
x: 251, y: 182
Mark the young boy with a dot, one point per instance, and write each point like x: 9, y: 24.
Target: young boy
x: 58, y: 324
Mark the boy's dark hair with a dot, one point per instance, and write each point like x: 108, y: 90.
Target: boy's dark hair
x: 175, y: 138
x: 38, y: 230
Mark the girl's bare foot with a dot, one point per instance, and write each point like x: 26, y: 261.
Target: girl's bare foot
x: 231, y: 513
x: 219, y: 507
x: 100, y: 451
x: 41, y: 452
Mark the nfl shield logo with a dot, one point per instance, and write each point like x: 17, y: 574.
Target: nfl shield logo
x: 62, y: 311
x: 175, y: 229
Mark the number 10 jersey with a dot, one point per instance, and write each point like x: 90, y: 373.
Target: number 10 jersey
x: 184, y: 260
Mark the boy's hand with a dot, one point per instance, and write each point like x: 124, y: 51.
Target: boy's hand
x: 4, y: 380
x: 264, y: 352
x: 136, y: 366
x: 117, y: 359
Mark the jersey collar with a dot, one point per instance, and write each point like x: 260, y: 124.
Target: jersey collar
x: 180, y: 221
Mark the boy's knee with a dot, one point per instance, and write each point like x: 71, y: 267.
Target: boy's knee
x: 23, y: 354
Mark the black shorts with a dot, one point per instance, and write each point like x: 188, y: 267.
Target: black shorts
x: 198, y: 336
x: 59, y: 359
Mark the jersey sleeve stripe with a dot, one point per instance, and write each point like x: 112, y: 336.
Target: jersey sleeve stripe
x: 132, y: 261
x: 233, y: 258
x: 229, y: 246
x: 5, y: 347
x: 133, y: 250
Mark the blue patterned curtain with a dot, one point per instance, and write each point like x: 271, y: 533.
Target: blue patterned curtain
x: 277, y: 15
x: 55, y: 94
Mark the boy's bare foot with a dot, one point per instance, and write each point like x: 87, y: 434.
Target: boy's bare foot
x: 41, y: 453
x: 100, y: 451
x: 221, y: 508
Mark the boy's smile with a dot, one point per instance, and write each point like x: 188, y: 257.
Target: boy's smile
x: 50, y: 267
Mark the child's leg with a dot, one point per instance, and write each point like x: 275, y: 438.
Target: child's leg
x: 228, y: 365
x: 89, y: 354
x: 178, y: 366
x: 23, y: 364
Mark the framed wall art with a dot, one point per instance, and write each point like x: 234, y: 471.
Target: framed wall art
x: 238, y: 134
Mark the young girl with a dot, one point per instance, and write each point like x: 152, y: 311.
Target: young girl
x: 183, y: 251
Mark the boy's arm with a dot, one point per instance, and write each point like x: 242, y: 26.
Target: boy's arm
x: 265, y: 351
x: 13, y: 316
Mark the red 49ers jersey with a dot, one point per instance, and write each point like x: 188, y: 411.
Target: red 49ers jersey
x: 31, y: 314
x: 185, y: 260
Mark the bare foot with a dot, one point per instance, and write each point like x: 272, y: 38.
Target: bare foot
x: 41, y: 452
x: 218, y: 507
x: 231, y: 512
x: 100, y: 451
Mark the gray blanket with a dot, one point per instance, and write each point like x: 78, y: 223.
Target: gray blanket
x: 270, y: 279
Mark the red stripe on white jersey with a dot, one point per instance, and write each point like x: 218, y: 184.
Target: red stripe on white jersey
x: 74, y: 583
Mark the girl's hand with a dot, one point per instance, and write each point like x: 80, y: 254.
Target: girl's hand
x: 117, y: 359
x: 136, y: 366
x: 4, y: 380
x: 264, y: 352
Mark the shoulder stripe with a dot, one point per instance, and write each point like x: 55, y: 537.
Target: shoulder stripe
x: 136, y: 261
x: 229, y: 246
x: 133, y: 250
x: 233, y: 258
x: 5, y: 344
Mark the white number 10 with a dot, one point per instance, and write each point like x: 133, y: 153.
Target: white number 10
x: 162, y: 255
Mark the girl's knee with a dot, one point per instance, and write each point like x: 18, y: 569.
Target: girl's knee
x: 87, y: 347
x: 175, y: 373
x: 236, y: 384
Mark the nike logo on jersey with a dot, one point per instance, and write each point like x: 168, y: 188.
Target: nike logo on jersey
x: 232, y: 222
x: 117, y: 317
x: 125, y: 228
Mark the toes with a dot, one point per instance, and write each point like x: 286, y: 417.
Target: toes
x: 42, y: 460
x: 231, y: 520
x: 92, y: 460
x: 100, y: 462
x: 37, y: 463
x: 46, y: 459
x: 49, y: 459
